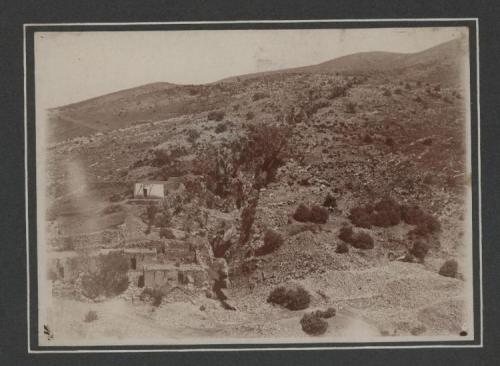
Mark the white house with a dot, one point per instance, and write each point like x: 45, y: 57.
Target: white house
x: 149, y: 189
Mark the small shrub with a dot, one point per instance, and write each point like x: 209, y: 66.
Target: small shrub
x: 389, y: 141
x: 109, y: 279
x: 367, y: 139
x: 398, y: 91
x: 362, y: 241
x: 326, y: 314
x: 91, y: 287
x: 259, y: 95
x: 412, y: 215
x: 358, y: 240
x: 163, y: 219
x: 247, y: 219
x: 166, y: 233
x: 419, y: 250
x: 342, y: 248
x: 426, y: 223
x: 337, y: 91
x: 418, y: 330
x: 427, y: 141
x: 151, y: 211
x: 386, y: 204
x: 449, y: 268
x: 161, y: 157
x: 313, y: 325
x: 299, y: 299
x: 346, y: 233
x: 216, y: 116
x: 311, y: 109
x: 300, y: 228
x: 329, y: 313
x: 220, y: 128
x: 155, y: 294
x: 250, y: 115
x: 193, y: 91
x: 350, y: 107
x: 292, y: 298
x: 387, y: 212
x: 272, y: 241
x: 318, y: 215
x: 330, y: 201
x: 90, y: 316
x: 304, y: 182
x: 193, y: 135
x: 264, y: 150
x: 361, y: 216
x: 428, y: 179
x: 278, y: 296
x: 302, y: 213
x: 387, y: 93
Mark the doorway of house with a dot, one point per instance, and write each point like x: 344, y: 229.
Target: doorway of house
x: 145, y: 192
x: 133, y: 263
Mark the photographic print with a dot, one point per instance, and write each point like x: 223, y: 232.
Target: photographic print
x: 253, y: 186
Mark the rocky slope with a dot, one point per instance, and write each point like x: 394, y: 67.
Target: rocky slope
x: 360, y: 129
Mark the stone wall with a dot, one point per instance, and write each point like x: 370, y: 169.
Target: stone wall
x: 105, y: 238
x: 195, y: 275
x: 138, y: 259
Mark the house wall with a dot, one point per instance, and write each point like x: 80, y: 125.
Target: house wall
x: 178, y: 250
x: 140, y: 259
x: 109, y: 237
x: 159, y: 277
x: 153, y: 190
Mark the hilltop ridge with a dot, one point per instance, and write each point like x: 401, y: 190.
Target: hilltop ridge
x: 163, y: 100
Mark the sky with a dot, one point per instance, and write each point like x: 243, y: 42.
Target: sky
x: 74, y: 66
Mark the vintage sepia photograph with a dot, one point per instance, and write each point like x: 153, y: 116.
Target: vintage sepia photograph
x: 253, y: 186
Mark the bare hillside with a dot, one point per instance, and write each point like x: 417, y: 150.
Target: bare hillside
x: 163, y: 100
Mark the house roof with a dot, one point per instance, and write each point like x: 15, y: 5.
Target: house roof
x: 139, y: 251
x: 169, y: 267
x: 152, y: 182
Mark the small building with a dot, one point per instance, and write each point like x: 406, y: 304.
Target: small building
x: 158, y: 188
x: 150, y: 189
x: 179, y: 250
x: 158, y: 275
x: 139, y: 257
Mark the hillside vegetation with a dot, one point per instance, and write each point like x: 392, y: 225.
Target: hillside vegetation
x: 321, y: 175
